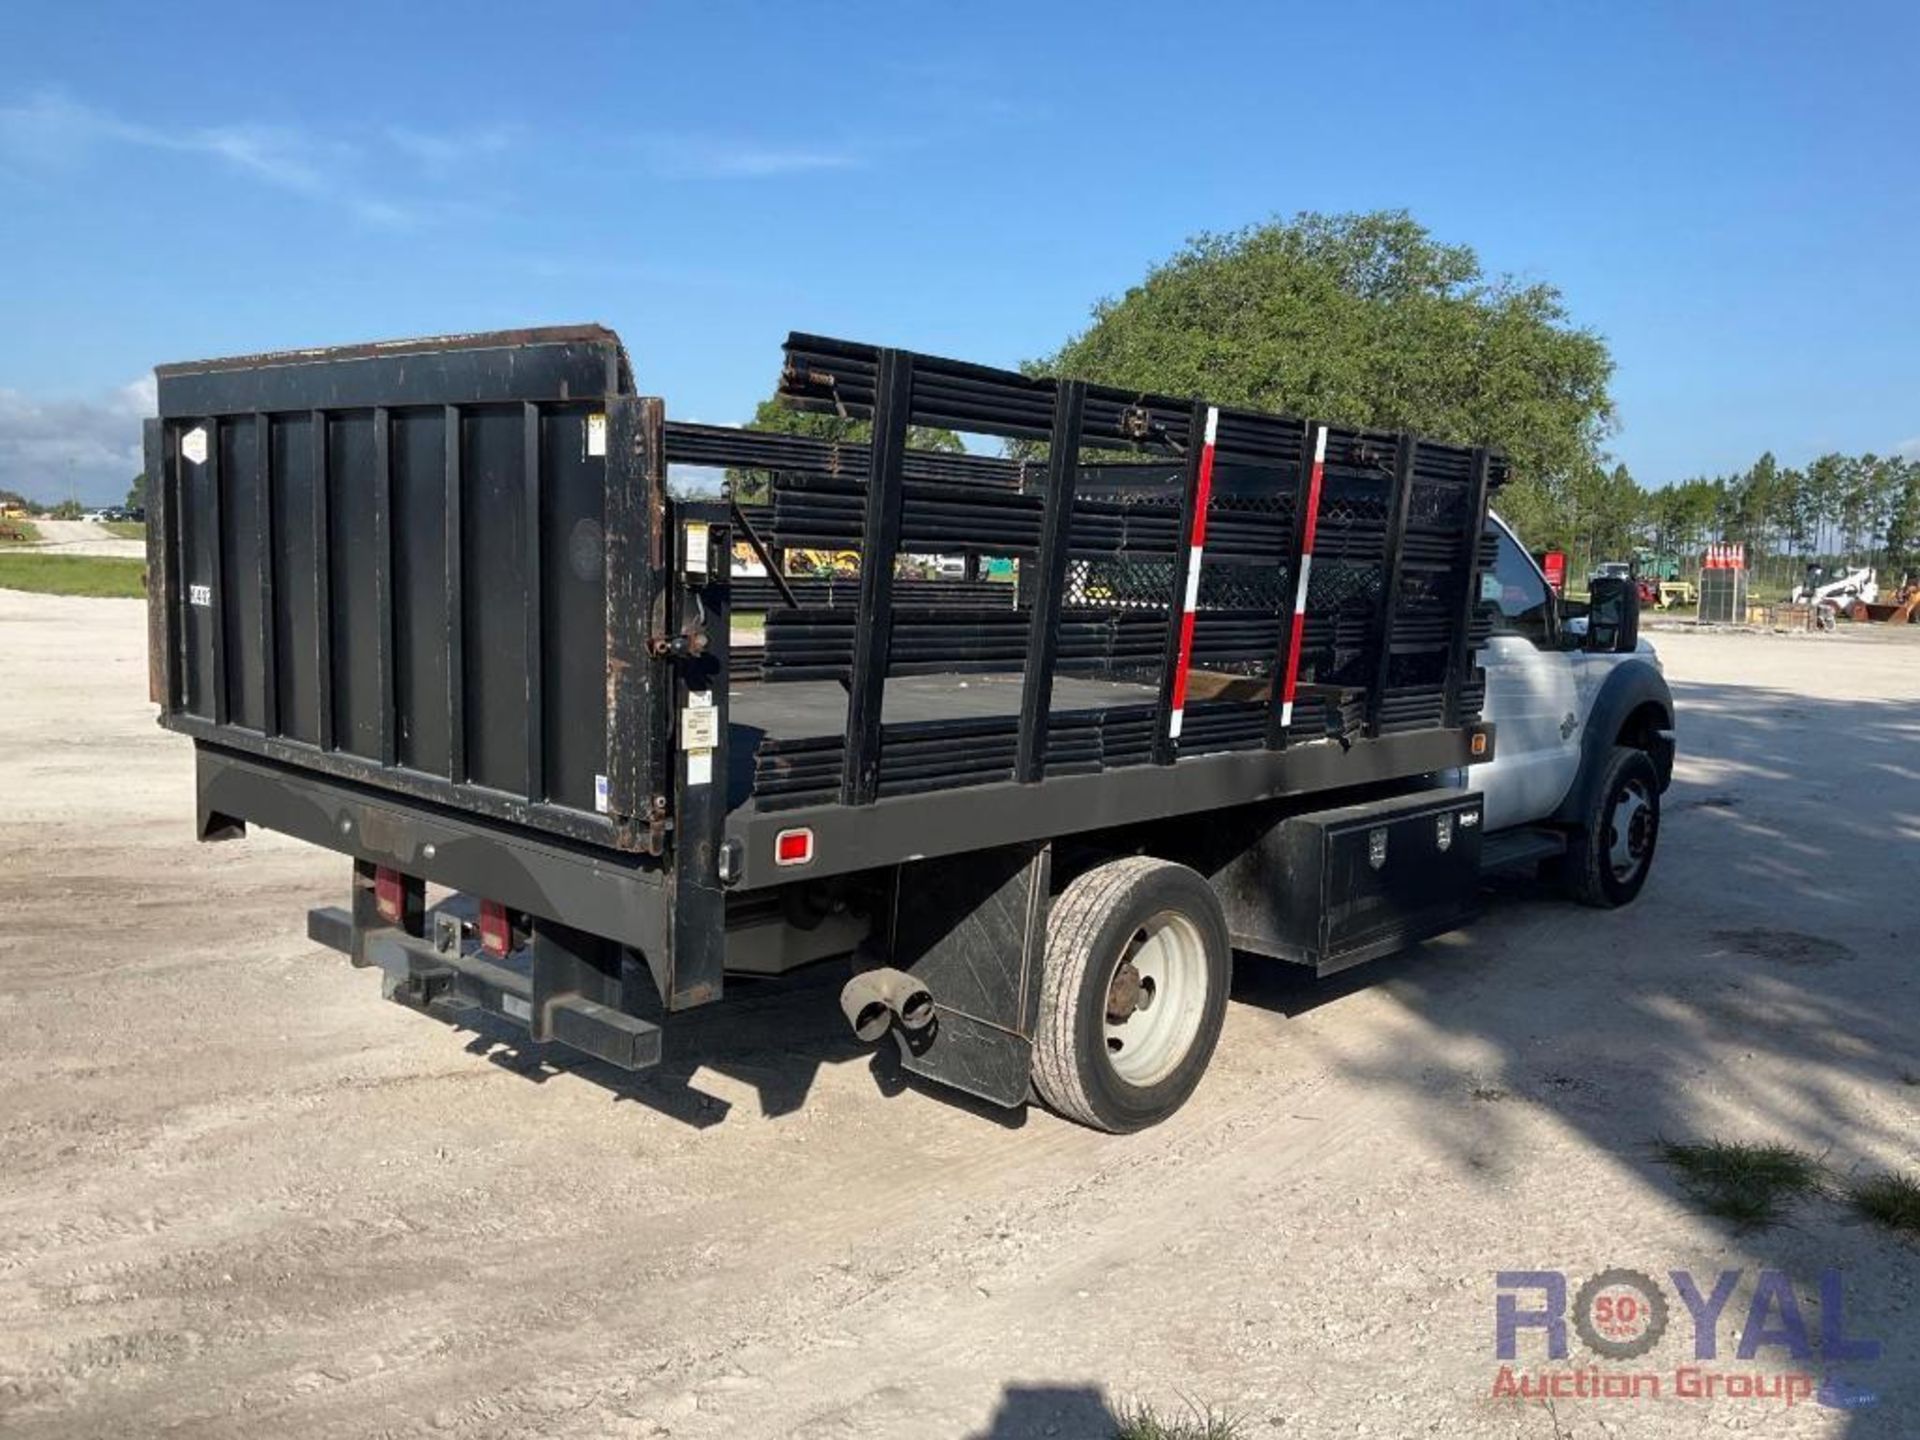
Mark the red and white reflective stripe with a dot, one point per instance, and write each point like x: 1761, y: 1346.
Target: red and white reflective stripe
x: 1196, y: 542
x: 1291, y: 682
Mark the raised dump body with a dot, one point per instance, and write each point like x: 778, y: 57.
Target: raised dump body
x: 433, y: 604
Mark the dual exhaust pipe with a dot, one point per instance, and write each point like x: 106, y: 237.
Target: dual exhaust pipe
x: 873, y: 999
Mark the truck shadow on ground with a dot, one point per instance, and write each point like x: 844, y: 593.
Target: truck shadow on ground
x: 1033, y: 1412
x: 1762, y: 989
x: 780, y: 1056
x: 773, y: 1036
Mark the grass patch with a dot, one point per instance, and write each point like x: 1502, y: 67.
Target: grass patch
x: 1142, y: 1422
x: 18, y: 532
x: 100, y: 575
x: 1890, y: 1200
x: 126, y: 529
x: 1749, y: 1185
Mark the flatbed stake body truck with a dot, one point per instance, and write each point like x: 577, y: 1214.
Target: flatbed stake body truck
x: 1260, y: 685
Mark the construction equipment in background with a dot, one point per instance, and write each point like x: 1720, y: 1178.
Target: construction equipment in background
x: 1832, y: 586
x: 841, y: 563
x: 1902, y: 608
x: 1676, y: 593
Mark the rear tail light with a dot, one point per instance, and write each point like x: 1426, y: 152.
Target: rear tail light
x: 793, y: 847
x: 496, y: 928
x: 389, y: 894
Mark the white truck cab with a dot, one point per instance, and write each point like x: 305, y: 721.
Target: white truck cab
x: 1585, y: 736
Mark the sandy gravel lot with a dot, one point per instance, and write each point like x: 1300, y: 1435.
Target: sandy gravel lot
x: 240, y: 1195
x: 83, y: 537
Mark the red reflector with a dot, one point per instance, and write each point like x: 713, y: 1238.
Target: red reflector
x: 388, y: 894
x: 793, y: 847
x: 496, y: 930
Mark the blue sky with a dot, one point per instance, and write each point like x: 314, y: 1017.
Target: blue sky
x: 1726, y: 192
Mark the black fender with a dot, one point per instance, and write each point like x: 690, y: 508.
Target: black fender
x: 1634, y: 707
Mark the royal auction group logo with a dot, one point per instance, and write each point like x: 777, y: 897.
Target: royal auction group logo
x: 1621, y: 1315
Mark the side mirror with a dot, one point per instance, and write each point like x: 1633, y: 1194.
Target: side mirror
x: 1613, y: 616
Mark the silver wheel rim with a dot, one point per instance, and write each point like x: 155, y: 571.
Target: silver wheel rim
x: 1630, y: 831
x: 1156, y: 997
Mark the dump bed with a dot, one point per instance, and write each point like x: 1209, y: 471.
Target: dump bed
x: 446, y: 578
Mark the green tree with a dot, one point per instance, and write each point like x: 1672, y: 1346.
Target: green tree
x: 1611, y: 508
x: 1365, y: 320
x: 137, y: 493
x: 1901, y: 511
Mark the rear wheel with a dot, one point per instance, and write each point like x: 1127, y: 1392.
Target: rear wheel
x: 1609, y: 856
x: 1133, y: 993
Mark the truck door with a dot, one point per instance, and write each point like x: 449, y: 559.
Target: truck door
x: 1531, y: 693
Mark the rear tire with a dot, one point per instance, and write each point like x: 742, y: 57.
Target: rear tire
x: 1132, y: 995
x: 1609, y: 857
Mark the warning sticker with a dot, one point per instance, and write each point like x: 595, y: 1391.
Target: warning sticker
x: 699, y: 726
x: 695, y: 548
x: 596, y: 436
x: 193, y: 445
x: 699, y: 734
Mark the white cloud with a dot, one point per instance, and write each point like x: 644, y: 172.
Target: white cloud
x: 710, y: 157
x: 50, y: 449
x: 443, y: 153
x: 53, y: 131
x: 1908, y: 449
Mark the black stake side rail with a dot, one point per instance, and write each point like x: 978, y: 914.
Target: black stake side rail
x: 723, y: 446
x: 945, y: 755
x: 1251, y: 515
x: 842, y: 593
x: 840, y: 377
x: 817, y: 643
x: 1391, y: 507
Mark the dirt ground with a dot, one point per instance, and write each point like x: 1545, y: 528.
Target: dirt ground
x: 83, y: 537
x: 240, y: 1195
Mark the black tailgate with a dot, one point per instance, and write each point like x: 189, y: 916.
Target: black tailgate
x: 425, y: 566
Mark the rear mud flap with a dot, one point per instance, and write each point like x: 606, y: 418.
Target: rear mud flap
x: 983, y: 967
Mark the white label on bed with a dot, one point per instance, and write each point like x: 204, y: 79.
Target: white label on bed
x: 699, y: 724
x: 696, y: 548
